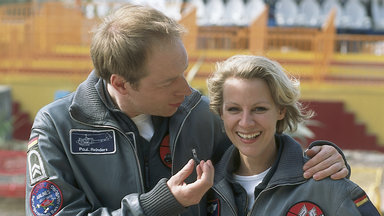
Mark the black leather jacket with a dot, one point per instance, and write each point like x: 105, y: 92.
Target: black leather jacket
x: 81, y: 163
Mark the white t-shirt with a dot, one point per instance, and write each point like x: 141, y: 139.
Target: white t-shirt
x: 249, y: 183
x: 145, y: 126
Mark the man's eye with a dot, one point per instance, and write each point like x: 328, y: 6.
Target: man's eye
x: 166, y: 84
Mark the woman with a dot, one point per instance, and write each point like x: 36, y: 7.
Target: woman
x: 262, y: 173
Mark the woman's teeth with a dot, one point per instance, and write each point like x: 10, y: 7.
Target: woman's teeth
x: 248, y: 136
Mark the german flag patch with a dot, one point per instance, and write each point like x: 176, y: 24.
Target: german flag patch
x: 361, y: 200
x: 365, y: 206
x: 32, y: 142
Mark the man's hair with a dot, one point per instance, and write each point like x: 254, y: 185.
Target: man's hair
x: 123, y: 42
x: 285, y: 91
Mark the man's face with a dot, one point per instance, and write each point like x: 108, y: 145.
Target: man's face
x: 162, y: 91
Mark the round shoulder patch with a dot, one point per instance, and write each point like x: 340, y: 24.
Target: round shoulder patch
x: 305, y: 208
x: 46, y: 199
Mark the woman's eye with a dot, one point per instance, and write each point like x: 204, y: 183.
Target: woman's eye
x: 260, y: 109
x: 232, y: 109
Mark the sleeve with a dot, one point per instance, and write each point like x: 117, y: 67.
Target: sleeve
x: 358, y: 203
x: 51, y: 187
x: 325, y: 142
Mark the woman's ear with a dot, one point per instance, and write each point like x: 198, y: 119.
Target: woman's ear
x: 282, y: 112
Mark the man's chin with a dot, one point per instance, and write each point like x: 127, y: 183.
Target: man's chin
x: 169, y: 113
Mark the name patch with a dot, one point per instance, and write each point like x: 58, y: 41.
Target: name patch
x: 93, y: 142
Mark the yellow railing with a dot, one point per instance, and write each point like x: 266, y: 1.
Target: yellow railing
x: 250, y: 37
x: 359, y: 43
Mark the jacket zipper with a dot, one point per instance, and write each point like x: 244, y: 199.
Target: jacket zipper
x: 130, y: 143
x: 271, y: 188
x: 226, y: 200
x: 177, y: 137
x: 178, y: 133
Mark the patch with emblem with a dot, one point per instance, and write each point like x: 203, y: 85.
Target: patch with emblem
x: 213, y: 207
x: 92, y: 141
x: 305, y: 208
x: 165, y: 152
x: 46, y: 199
x: 35, y: 164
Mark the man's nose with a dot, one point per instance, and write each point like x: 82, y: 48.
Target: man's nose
x: 184, y: 88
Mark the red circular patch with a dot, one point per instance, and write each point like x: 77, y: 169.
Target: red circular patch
x: 305, y: 208
x: 165, y: 152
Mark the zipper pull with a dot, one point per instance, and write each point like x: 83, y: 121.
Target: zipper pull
x: 195, y: 158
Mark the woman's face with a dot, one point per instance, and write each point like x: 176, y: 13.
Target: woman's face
x: 250, y: 116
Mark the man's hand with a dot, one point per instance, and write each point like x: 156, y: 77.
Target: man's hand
x: 325, y: 161
x: 191, y: 194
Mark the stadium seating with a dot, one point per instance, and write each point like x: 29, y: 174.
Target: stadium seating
x: 214, y: 12
x: 378, y: 14
x: 355, y: 16
x: 253, y: 8
x: 200, y: 10
x: 309, y: 13
x: 285, y: 12
x: 327, y: 6
x: 234, y: 13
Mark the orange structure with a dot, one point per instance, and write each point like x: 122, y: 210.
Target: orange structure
x: 45, y: 48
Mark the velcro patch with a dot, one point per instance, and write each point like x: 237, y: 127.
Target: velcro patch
x: 365, y: 206
x: 213, y: 207
x: 36, y: 167
x: 305, y: 208
x: 92, y: 141
x: 165, y: 152
x: 32, y: 142
x: 361, y: 200
x: 46, y: 199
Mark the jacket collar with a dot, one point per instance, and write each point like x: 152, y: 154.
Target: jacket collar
x: 88, y: 107
x: 288, y: 167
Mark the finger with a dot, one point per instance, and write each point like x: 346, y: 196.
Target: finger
x: 312, y: 151
x: 199, y: 170
x: 207, y: 169
x: 318, y: 154
x: 341, y: 174
x: 180, y: 176
x: 325, y: 168
x: 324, y: 173
x: 207, y: 176
x: 324, y: 165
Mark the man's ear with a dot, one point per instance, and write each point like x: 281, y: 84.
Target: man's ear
x: 119, y: 84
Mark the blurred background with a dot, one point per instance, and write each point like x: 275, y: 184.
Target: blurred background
x: 335, y: 48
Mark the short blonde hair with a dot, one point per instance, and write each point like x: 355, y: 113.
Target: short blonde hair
x: 123, y: 42
x: 285, y: 91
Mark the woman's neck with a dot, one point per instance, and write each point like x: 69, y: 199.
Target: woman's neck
x: 256, y: 165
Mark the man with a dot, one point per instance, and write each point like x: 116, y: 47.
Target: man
x: 110, y: 147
